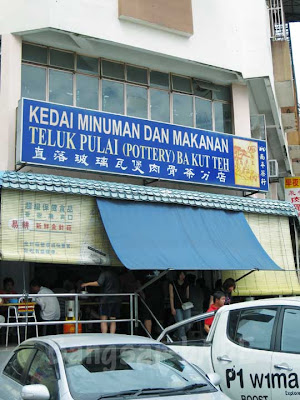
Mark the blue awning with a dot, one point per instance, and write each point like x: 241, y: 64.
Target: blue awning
x: 148, y: 235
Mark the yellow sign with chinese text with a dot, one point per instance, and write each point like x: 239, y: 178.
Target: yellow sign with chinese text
x: 292, y: 191
x: 246, y: 168
x: 53, y: 228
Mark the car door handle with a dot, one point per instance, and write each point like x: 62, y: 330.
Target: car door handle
x: 283, y: 366
x: 224, y: 358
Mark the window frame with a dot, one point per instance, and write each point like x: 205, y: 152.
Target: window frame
x: 112, y: 77
x: 280, y: 330
x: 274, y: 329
x: 170, y: 90
x: 212, y: 112
x: 101, y: 94
x: 126, y: 84
x: 170, y: 104
x: 27, y: 366
x: 147, y: 85
x: 214, y: 116
x: 41, y: 66
x: 40, y: 349
x: 191, y: 93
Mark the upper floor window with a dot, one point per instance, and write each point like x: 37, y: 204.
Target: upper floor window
x: 112, y: 86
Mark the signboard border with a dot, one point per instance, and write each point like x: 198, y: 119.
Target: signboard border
x: 19, y: 148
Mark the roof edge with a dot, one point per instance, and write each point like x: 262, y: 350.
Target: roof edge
x: 130, y: 192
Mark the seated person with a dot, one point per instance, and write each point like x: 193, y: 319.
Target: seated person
x: 8, y: 288
x: 49, y: 306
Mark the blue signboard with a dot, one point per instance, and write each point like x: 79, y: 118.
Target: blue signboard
x: 70, y: 137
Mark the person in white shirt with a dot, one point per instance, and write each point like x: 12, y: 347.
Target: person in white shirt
x: 49, y: 306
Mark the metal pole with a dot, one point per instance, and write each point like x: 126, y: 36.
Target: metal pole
x: 136, y: 309
x: 76, y: 313
x: 248, y: 273
x: 131, y: 314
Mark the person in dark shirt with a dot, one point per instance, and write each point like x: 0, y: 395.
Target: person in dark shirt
x: 228, y: 287
x: 179, y: 293
x: 109, y: 305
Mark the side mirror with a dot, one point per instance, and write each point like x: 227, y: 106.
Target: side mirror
x: 35, y: 392
x: 214, y: 378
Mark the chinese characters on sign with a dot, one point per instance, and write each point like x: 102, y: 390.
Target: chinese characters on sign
x: 292, y: 191
x: 71, y: 137
x: 56, y: 228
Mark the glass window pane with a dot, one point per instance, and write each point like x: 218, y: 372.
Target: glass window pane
x: 113, y: 97
x: 202, y: 90
x: 181, y: 84
x: 33, y: 82
x: 138, y: 75
x: 160, y: 105
x: 159, y: 80
x: 87, y: 64
x: 34, y: 53
x: 223, y: 121
x: 203, y: 114
x: 183, y: 110
x: 113, y: 70
x: 251, y: 324
x: 137, y: 103
x: 258, y: 126
x: 60, y: 87
x: 87, y: 91
x: 61, y: 59
x: 290, y: 331
x: 17, y: 364
x: 222, y: 93
x: 42, y: 372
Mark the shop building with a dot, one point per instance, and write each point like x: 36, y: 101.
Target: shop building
x: 173, y: 104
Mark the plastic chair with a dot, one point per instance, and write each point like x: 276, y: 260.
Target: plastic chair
x: 19, y: 312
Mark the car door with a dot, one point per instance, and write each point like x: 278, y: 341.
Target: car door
x: 242, y: 357
x: 285, y: 374
x: 12, y: 377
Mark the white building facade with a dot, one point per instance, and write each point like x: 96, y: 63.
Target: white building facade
x: 192, y: 63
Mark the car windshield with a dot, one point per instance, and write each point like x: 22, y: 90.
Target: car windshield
x: 96, y: 372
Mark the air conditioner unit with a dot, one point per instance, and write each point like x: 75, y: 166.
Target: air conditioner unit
x: 273, y: 169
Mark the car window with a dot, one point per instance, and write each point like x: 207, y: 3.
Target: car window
x: 95, y: 371
x: 290, y: 331
x: 42, y: 371
x: 252, y: 327
x: 17, y: 364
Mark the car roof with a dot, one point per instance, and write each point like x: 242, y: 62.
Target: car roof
x: 276, y: 301
x: 92, y: 339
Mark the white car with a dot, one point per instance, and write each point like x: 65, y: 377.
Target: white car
x: 101, y: 366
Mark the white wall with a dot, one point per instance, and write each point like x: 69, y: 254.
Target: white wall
x: 241, y: 110
x: 231, y: 34
x: 10, y: 93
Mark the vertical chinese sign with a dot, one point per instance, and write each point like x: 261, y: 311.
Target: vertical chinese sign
x: 53, y: 228
x: 292, y: 191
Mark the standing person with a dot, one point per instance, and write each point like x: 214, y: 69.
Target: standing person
x: 49, y: 306
x: 109, y: 305
x: 154, y: 298
x: 229, y: 286
x: 218, y: 302
x: 179, y: 293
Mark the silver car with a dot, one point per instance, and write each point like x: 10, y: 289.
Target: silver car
x: 101, y: 366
